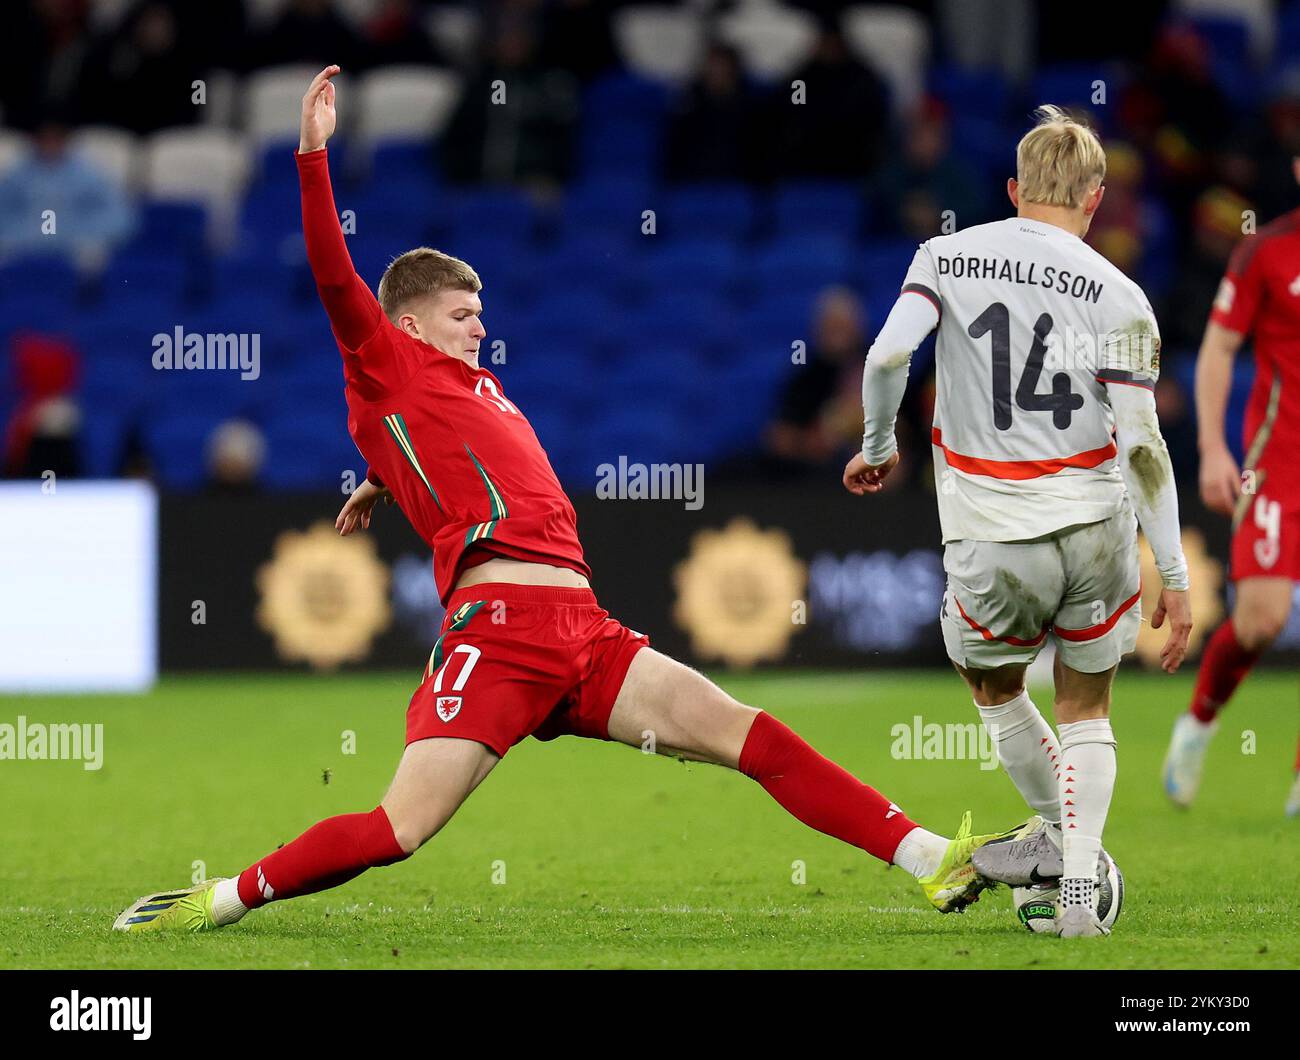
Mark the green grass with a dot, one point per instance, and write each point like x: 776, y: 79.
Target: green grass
x: 613, y: 858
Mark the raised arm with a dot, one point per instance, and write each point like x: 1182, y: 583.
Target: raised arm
x: 353, y: 310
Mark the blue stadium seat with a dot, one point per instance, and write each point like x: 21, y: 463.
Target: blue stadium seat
x: 801, y: 266
x: 694, y: 211
x: 608, y: 208
x: 824, y: 207
x: 715, y: 266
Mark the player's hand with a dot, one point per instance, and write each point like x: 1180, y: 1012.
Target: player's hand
x: 1220, y: 481
x: 1175, y: 604
x: 356, y: 510
x: 318, y: 116
x: 861, y: 477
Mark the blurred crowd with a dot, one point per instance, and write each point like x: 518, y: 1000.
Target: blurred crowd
x: 1198, y: 106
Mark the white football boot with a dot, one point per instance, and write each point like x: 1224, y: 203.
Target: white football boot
x: 1293, y: 799
x: 1186, y: 758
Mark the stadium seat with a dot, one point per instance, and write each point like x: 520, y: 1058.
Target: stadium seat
x: 273, y: 103
x: 14, y: 147
x: 608, y: 207
x: 455, y: 30
x: 772, y: 39
x: 1071, y: 85
x: 713, y: 266
x: 893, y: 41
x: 200, y: 165
x: 405, y: 103
x: 800, y: 265
x: 1260, y: 21
x: 115, y: 152
x: 660, y: 41
x: 826, y: 207
x: 694, y: 211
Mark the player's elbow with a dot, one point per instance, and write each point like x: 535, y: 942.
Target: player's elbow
x: 884, y: 358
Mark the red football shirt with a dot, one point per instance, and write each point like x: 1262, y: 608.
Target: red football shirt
x: 1260, y: 293
x: 459, y: 456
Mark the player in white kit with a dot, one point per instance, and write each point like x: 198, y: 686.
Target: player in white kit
x: 1047, y: 454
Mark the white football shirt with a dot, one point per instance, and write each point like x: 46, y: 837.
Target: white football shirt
x: 1031, y: 322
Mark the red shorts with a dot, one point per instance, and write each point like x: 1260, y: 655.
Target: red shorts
x: 1266, y: 542
x: 522, y: 660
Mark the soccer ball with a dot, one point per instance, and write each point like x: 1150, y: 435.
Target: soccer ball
x: 1036, y: 906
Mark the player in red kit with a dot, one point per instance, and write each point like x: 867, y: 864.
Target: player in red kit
x: 1259, y: 296
x: 524, y: 648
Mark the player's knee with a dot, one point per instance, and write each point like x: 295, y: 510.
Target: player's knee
x: 1257, y: 627
x: 413, y: 830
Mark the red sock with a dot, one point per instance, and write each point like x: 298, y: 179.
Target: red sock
x: 1223, y: 666
x: 329, y: 853
x: 818, y: 792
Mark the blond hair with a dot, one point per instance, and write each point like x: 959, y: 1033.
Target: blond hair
x: 1059, y: 161
x: 420, y: 272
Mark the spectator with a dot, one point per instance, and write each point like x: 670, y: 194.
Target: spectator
x: 396, y: 34
x: 840, y: 129
x: 42, y: 50
x: 44, y: 429
x: 1118, y: 231
x: 820, y: 412
x: 1277, y: 185
x: 312, y: 32
x: 56, y: 201
x: 917, y: 187
x: 142, y: 76
x: 714, y: 135
x: 516, y: 120
x: 576, y: 37
x: 236, y: 451
x: 1217, y: 226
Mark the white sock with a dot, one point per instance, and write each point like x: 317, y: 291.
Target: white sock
x: 920, y: 853
x: 1087, y: 783
x: 1077, y: 891
x: 226, y: 906
x: 1027, y: 749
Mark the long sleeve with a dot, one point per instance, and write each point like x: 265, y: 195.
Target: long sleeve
x: 1149, y: 477
x: 884, y: 377
x: 353, y: 310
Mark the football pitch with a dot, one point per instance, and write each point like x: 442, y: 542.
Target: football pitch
x: 576, y: 854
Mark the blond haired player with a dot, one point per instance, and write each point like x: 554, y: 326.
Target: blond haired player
x: 1046, y: 447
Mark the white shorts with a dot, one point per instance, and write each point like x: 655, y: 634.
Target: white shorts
x: 1080, y: 585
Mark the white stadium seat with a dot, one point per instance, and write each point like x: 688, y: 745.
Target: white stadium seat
x: 14, y: 147
x: 201, y: 165
x: 455, y: 31
x: 405, y: 103
x: 273, y: 103
x: 773, y: 40
x: 660, y: 42
x: 113, y: 151
x: 895, y: 42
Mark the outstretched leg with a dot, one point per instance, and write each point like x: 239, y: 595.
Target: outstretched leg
x: 1259, y: 614
x: 690, y: 716
x: 433, y: 778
